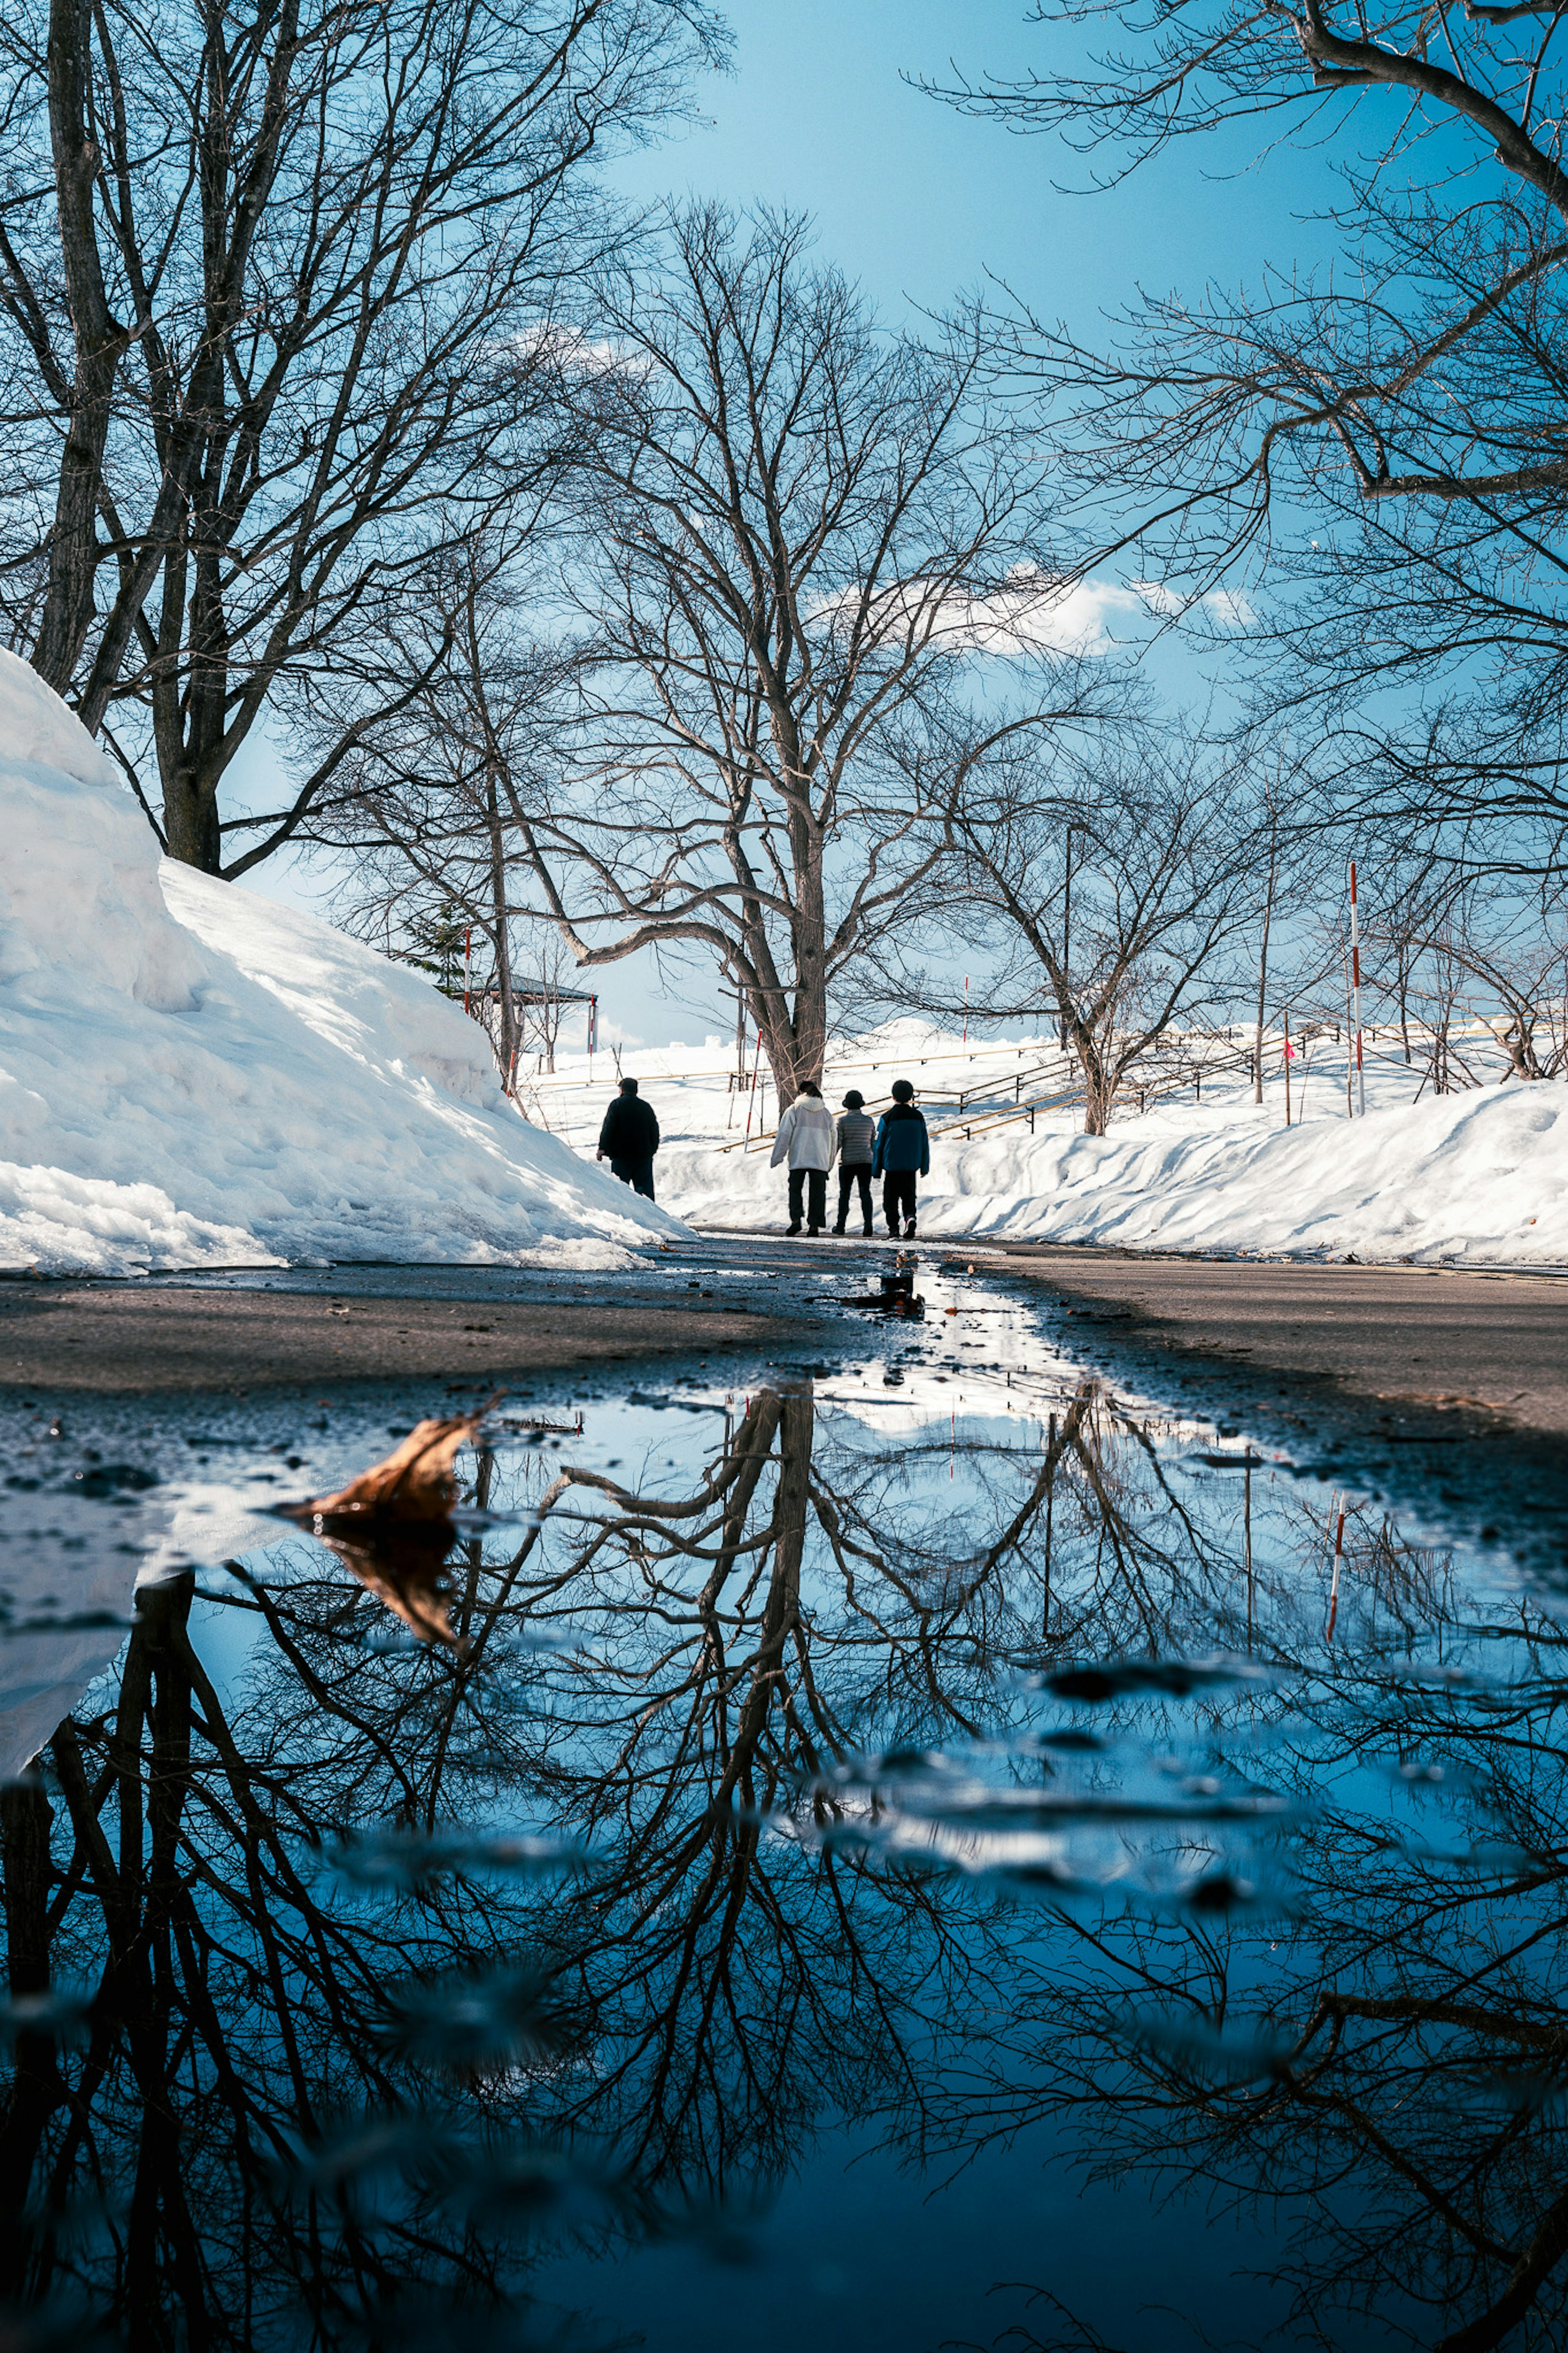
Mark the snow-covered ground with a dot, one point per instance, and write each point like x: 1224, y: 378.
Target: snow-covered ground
x: 192, y: 1076
x: 1479, y: 1176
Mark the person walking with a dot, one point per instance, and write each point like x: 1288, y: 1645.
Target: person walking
x: 856, y: 1146
x: 805, y: 1138
x: 903, y: 1148
x: 629, y: 1138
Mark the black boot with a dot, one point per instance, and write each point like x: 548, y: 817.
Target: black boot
x: 910, y: 1232
x: 838, y: 1228
x: 793, y: 1229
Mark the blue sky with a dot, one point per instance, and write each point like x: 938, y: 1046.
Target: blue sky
x: 918, y: 201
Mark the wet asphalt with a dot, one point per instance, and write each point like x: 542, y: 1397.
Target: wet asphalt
x: 1445, y: 1394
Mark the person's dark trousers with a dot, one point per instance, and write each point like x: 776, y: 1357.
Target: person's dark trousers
x: 638, y: 1173
x: 817, y: 1215
x: 899, y: 1193
x: 848, y: 1180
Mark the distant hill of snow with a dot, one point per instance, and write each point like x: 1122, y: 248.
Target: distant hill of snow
x: 192, y: 1076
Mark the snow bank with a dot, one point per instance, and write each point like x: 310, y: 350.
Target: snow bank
x: 1481, y: 1176
x: 191, y: 1076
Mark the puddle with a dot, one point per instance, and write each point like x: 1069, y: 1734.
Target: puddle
x: 912, y: 1846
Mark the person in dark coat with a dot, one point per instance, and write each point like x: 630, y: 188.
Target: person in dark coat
x: 903, y: 1148
x: 629, y: 1138
x: 856, y: 1145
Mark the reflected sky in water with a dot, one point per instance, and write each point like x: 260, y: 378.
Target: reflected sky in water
x: 924, y: 1848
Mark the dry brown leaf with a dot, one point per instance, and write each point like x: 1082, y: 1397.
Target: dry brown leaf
x: 392, y: 1525
x: 415, y: 1482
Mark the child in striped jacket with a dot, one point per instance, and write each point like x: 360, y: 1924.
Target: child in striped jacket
x: 856, y: 1145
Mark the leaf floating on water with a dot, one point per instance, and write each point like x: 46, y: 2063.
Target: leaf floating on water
x: 527, y: 2182
x: 392, y: 1525
x: 356, y: 2152
x: 415, y: 1482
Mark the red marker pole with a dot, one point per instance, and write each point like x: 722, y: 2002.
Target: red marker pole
x: 1355, y: 992
x: 966, y: 1008
x: 1287, y: 1070
x: 1334, y: 1587
x: 468, y: 953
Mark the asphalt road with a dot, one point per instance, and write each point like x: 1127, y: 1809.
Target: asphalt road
x: 144, y: 1338
x: 1439, y: 1339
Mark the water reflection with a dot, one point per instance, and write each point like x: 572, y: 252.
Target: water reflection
x: 1000, y: 1784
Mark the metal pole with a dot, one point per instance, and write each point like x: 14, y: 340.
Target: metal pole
x: 1066, y: 933
x: 1247, y: 1523
x: 1050, y: 1497
x: 1287, y: 1067
x: 1355, y: 984
x: 467, y: 956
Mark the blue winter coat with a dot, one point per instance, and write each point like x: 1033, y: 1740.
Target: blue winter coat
x: 902, y: 1142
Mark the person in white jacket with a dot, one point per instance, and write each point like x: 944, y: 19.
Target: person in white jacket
x: 808, y: 1140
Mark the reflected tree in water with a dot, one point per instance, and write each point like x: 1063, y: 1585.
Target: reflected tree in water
x: 847, y: 1779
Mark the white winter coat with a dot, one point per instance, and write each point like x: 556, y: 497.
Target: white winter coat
x: 807, y: 1137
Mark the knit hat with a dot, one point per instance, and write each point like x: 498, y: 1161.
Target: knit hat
x: 902, y: 1091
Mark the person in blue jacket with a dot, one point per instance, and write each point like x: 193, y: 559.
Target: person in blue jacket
x: 903, y: 1148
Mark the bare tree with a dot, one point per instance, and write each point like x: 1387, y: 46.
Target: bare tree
x: 1410, y: 404
x: 786, y: 523
x: 423, y: 802
x: 279, y: 272
x: 1157, y: 843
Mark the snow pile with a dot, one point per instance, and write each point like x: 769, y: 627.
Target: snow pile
x: 191, y: 1076
x: 1481, y: 1176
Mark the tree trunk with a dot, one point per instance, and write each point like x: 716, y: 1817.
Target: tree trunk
x: 796, y: 1042
x: 1098, y: 1077
x: 36, y: 2089
x: 191, y: 819
x: 100, y: 343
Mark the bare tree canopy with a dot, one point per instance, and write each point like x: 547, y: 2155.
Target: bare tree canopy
x: 787, y: 523
x: 272, y: 277
x: 1109, y: 868
x: 1392, y: 435
x: 423, y: 801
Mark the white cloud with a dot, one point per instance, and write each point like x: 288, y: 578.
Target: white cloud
x: 1230, y: 610
x: 1223, y: 606
x: 1034, y: 611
